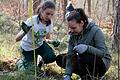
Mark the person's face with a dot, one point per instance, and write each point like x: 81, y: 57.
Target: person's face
x: 47, y: 14
x: 75, y: 27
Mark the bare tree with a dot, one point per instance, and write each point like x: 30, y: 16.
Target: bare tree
x: 64, y: 4
x: 96, y: 4
x: 116, y: 28
x: 84, y: 4
x: 113, y: 4
x: 89, y: 7
x: 24, y: 4
x: 93, y: 4
x: 36, y: 3
x: 116, y: 32
x: 108, y: 6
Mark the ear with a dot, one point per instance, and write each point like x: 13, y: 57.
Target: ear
x: 81, y: 23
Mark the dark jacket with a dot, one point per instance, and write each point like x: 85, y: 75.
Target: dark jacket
x: 94, y: 38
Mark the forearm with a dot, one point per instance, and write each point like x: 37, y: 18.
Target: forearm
x: 99, y: 49
x: 48, y: 40
x: 19, y: 36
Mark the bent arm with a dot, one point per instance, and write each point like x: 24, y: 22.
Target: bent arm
x: 100, y: 47
x: 48, y: 38
x: 19, y: 36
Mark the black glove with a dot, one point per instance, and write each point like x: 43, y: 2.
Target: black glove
x: 55, y: 43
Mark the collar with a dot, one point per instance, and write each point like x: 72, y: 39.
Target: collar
x: 47, y: 22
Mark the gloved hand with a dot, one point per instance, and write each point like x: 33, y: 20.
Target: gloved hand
x: 81, y: 48
x: 67, y: 77
x: 55, y: 43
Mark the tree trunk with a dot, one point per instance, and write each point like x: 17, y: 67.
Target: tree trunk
x: 36, y: 3
x: 55, y: 1
x: 113, y: 4
x: 24, y: 4
x: 116, y: 28
x: 116, y: 33
x: 93, y: 4
x: 96, y: 4
x: 64, y: 4
x: 108, y: 6
x: 89, y: 7
x: 84, y: 4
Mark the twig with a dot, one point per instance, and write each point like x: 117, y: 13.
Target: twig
x: 118, y: 53
x: 44, y: 74
x: 89, y: 72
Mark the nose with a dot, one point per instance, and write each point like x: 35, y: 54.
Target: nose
x: 49, y: 16
x: 71, y: 30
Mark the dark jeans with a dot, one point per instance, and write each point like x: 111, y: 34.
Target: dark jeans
x: 83, y: 65
x: 44, y: 50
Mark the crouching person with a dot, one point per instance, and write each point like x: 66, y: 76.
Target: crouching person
x: 42, y: 29
x: 87, y: 54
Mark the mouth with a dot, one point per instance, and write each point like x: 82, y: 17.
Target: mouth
x: 73, y: 33
x: 47, y: 19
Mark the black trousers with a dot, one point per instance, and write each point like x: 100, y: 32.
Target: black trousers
x: 44, y: 50
x: 27, y: 60
x: 86, y: 66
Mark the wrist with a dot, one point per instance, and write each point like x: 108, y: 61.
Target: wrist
x: 66, y: 75
x: 48, y: 40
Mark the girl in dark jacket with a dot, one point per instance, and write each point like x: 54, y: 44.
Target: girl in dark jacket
x: 87, y: 53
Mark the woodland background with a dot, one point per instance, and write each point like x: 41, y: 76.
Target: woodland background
x: 106, y: 13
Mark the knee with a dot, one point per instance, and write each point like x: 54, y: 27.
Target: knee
x: 58, y: 60
x: 53, y: 58
x: 49, y: 59
x: 61, y: 60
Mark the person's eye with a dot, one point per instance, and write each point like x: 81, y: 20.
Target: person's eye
x: 52, y: 14
x: 73, y: 28
x: 47, y: 13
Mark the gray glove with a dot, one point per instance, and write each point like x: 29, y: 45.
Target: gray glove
x: 67, y: 77
x: 81, y: 48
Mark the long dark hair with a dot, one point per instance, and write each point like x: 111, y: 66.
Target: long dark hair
x: 78, y: 15
x: 45, y: 5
